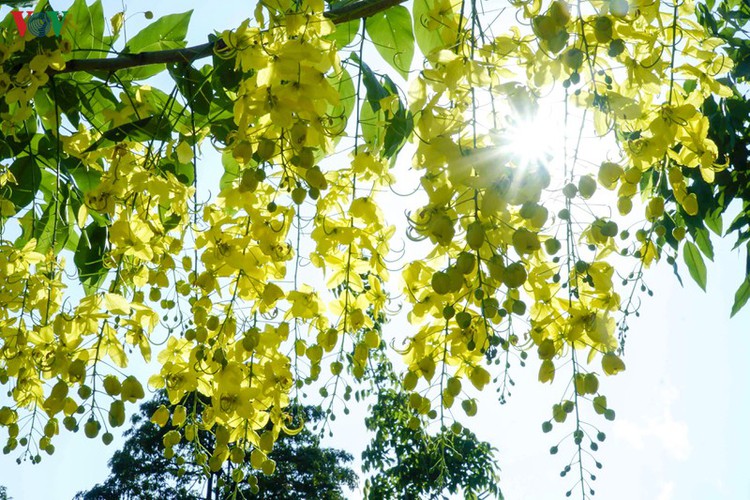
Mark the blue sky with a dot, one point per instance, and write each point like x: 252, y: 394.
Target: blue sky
x: 682, y: 408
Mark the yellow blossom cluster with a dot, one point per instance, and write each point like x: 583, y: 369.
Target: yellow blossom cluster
x: 495, y: 278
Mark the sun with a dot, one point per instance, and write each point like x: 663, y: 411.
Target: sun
x: 562, y: 139
x: 531, y: 140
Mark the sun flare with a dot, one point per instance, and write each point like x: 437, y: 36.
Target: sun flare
x: 536, y: 139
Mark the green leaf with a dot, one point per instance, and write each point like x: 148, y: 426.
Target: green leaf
x: 400, y: 124
x: 231, y: 170
x: 145, y: 129
x: 44, y: 105
x: 28, y: 178
x: 167, y: 32
x: 170, y: 109
x: 426, y: 26
x: 85, y: 179
x: 94, y: 98
x: 5, y: 151
x: 690, y: 85
x: 391, y: 32
x: 677, y: 272
x: 53, y: 227
x: 741, y: 220
x: 19, y: 141
x: 695, y: 264
x: 89, y: 257
x: 741, y: 296
x: 48, y: 186
x: 703, y: 240
x: 221, y: 129
x: 168, y: 219
x: 371, y: 123
x: 713, y: 221
x: 225, y: 76
x: 339, y: 114
x: 375, y: 90
x: 182, y: 171
x: 84, y: 28
x: 382, y: 128
x: 194, y: 86
x: 66, y: 95
x: 73, y: 239
x: 345, y: 33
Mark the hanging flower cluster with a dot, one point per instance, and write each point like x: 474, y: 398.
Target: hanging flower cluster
x: 514, y: 258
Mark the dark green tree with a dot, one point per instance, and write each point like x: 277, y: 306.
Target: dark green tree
x: 409, y: 461
x: 141, y: 470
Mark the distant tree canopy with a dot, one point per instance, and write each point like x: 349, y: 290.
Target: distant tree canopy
x: 279, y: 277
x: 407, y: 462
x: 141, y: 470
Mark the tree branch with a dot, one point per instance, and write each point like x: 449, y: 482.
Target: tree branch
x: 111, y: 64
x: 358, y: 10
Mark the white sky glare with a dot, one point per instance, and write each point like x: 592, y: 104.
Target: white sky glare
x: 682, y: 405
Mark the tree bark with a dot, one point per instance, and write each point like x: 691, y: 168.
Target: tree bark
x: 210, y: 486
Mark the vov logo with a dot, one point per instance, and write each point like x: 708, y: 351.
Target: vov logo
x: 41, y: 23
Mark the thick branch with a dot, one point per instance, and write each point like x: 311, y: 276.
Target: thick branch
x: 357, y: 10
x: 360, y: 10
x: 187, y: 55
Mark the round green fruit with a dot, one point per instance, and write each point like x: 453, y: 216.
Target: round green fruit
x: 475, y: 235
x: 552, y: 246
x: 298, y: 195
x: 586, y: 186
x: 91, y: 429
